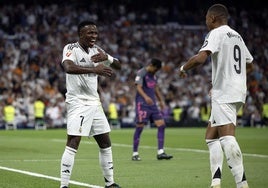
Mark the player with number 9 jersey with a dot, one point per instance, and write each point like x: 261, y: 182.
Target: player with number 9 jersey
x: 229, y: 56
x: 231, y: 61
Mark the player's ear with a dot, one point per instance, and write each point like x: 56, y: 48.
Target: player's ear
x: 213, y: 18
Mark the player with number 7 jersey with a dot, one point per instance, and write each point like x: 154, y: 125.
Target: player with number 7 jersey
x: 83, y: 62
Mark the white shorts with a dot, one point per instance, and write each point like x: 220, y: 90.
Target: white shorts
x: 224, y: 113
x: 86, y: 120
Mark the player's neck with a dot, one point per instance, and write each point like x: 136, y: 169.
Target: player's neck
x: 85, y: 47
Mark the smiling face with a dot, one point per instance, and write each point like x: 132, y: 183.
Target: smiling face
x: 88, y: 35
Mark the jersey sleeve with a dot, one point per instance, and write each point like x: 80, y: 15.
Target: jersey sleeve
x: 68, y: 53
x: 139, y: 77
x: 211, y: 42
x: 249, y: 57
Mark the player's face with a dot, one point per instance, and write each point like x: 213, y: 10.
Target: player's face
x: 89, y: 35
x: 154, y: 69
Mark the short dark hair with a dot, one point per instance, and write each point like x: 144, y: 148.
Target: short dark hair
x: 156, y: 63
x: 83, y: 24
x: 219, y: 10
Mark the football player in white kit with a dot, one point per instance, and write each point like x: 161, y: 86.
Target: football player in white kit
x: 230, y: 60
x: 83, y: 62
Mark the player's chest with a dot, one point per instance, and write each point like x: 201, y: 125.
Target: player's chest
x: 150, y: 81
x: 84, y: 59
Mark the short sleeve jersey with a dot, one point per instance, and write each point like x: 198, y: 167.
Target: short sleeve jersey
x: 81, y: 87
x: 229, y: 57
x: 148, y: 82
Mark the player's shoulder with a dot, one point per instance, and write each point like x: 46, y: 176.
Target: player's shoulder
x: 97, y: 47
x: 222, y: 32
x: 72, y: 46
x: 227, y: 30
x: 142, y: 71
x: 233, y: 34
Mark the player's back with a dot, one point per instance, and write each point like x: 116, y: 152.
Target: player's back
x: 229, y: 67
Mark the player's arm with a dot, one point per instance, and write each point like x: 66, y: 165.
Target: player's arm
x: 71, y: 68
x: 159, y: 97
x: 249, y: 67
x: 116, y: 64
x: 194, y: 61
x: 144, y: 95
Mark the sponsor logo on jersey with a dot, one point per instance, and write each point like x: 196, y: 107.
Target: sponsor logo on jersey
x: 83, y: 60
x: 68, y: 54
x: 137, y: 78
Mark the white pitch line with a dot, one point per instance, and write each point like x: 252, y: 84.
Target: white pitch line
x: 168, y: 148
x: 114, y: 144
x: 37, y: 160
x: 48, y: 177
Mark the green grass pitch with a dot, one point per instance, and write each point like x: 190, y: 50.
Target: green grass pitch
x: 31, y: 159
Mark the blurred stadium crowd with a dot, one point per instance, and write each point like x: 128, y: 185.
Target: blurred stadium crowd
x: 32, y: 38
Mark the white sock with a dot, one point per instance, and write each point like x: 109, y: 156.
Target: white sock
x: 242, y: 184
x: 160, y: 151
x: 135, y: 153
x: 106, y: 163
x: 234, y: 158
x: 67, y: 162
x: 216, y: 160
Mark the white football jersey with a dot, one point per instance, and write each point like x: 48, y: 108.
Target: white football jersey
x: 229, y: 56
x: 81, y: 87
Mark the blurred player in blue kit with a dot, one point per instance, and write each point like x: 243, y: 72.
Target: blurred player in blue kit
x: 231, y: 61
x: 146, y: 108
x: 83, y: 62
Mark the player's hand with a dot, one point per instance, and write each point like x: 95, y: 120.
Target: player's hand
x: 162, y: 105
x: 103, y: 70
x: 149, y: 101
x: 99, y: 57
x: 182, y: 74
x: 210, y: 93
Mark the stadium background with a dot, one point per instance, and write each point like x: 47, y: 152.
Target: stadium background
x: 33, y: 33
